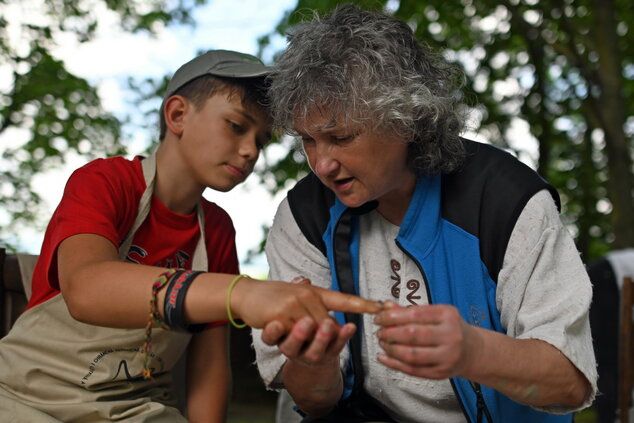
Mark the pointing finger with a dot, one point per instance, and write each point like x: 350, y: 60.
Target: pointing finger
x: 336, y: 301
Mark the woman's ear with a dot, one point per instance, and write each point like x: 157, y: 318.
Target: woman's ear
x: 174, y: 111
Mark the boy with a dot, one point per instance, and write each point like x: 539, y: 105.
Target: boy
x: 79, y: 352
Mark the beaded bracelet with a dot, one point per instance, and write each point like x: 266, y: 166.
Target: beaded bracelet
x: 229, y: 290
x: 155, y: 318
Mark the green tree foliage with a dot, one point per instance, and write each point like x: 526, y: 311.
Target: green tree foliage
x: 47, y: 109
x: 564, y: 69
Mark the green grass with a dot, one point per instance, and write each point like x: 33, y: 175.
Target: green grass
x: 586, y: 416
x: 265, y: 413
x: 251, y: 413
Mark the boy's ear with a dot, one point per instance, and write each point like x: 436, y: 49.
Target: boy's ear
x: 174, y: 111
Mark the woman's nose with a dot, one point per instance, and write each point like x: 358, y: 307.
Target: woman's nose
x: 323, y: 162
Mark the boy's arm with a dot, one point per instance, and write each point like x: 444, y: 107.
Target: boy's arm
x: 100, y: 289
x: 208, y: 376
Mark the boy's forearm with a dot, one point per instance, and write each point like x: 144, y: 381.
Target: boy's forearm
x: 100, y: 289
x: 316, y: 389
x: 208, y: 376
x: 116, y: 305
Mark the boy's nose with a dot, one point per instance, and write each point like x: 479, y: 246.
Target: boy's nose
x: 249, y: 148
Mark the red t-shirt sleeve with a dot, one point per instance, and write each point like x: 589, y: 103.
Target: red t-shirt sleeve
x: 97, y: 199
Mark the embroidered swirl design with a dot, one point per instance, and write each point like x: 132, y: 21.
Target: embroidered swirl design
x: 396, y: 290
x: 413, y: 285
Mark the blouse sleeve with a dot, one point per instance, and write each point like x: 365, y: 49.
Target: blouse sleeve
x: 289, y: 254
x: 544, y: 291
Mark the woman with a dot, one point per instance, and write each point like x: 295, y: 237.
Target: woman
x: 487, y: 300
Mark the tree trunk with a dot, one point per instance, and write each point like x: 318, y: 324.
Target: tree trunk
x: 612, y: 107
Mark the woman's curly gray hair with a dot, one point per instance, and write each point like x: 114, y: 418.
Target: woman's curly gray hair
x: 368, y: 68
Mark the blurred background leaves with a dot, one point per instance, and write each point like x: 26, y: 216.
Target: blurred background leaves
x: 551, y: 80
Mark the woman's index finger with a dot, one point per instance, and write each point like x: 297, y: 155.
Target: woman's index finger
x: 423, y: 314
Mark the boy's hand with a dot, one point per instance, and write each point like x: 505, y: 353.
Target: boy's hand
x: 260, y: 302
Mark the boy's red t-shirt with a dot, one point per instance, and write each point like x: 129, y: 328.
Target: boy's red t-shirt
x: 102, y: 198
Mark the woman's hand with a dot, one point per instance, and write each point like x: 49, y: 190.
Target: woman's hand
x: 434, y: 342
x: 429, y: 341
x: 311, y: 374
x: 309, y: 343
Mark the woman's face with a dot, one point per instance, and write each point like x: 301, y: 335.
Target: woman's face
x: 358, y: 165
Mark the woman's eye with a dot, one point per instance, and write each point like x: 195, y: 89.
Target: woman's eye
x: 342, y: 138
x: 307, y: 140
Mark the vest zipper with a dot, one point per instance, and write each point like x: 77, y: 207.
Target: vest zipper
x: 482, y: 406
x: 480, y: 403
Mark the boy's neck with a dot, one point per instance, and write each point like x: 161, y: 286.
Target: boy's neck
x: 172, y: 186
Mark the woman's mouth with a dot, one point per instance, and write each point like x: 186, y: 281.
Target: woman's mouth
x: 343, y: 183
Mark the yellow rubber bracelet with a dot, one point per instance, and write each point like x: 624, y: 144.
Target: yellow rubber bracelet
x: 233, y: 283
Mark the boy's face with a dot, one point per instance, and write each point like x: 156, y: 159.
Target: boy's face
x: 221, y: 141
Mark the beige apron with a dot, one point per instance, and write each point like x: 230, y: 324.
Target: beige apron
x: 89, y: 373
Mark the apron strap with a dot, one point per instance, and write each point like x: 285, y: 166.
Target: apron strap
x: 199, y: 261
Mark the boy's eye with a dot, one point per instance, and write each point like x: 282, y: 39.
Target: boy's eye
x: 239, y: 129
x: 306, y: 140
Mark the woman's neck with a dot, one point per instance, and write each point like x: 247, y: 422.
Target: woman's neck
x: 393, y: 205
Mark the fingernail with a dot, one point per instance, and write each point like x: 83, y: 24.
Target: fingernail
x: 306, y: 322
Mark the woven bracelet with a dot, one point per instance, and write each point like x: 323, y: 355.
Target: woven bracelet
x: 233, y: 283
x: 154, y: 318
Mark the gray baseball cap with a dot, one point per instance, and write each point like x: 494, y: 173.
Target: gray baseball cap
x: 223, y: 63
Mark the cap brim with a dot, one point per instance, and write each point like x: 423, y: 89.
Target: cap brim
x: 239, y: 70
